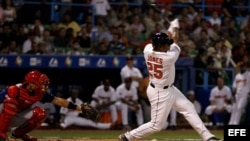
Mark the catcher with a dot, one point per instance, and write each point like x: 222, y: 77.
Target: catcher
x: 16, y: 111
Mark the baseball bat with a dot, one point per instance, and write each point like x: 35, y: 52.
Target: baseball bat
x: 157, y: 10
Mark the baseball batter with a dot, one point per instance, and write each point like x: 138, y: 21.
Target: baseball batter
x: 160, y: 57
x: 241, y: 91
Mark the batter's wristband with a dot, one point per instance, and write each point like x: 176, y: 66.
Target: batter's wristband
x: 72, y: 106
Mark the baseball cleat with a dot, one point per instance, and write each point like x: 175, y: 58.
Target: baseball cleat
x: 215, y: 139
x: 123, y: 138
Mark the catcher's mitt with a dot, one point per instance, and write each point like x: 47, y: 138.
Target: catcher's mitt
x: 90, y: 112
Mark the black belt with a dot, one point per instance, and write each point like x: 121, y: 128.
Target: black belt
x: 165, y: 87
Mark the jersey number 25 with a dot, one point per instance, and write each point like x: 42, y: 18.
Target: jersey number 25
x: 155, y: 70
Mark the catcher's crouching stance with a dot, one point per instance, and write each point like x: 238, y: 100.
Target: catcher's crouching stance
x: 16, y: 111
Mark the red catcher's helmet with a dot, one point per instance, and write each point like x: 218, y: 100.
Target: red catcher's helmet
x: 37, y: 78
x: 44, y: 80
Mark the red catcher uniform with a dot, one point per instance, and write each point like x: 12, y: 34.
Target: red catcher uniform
x: 17, y: 104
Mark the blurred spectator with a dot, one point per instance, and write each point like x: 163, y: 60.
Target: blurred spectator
x: 60, y: 41
x: 21, y: 35
x: 202, y: 29
x: 101, y: 49
x: 104, y: 98
x: 37, y: 24
x: 241, y: 89
x: 112, y: 18
x: 128, y: 101
x: 47, y: 41
x: 214, y: 64
x: 102, y: 7
x: 9, y: 12
x: 192, y: 13
x: 137, y: 24
x: 130, y: 70
x: 116, y: 46
x: 188, y: 47
x: 38, y: 34
x: 227, y: 8
x: 65, y: 8
x: 101, y: 25
x: 67, y: 22
x: 13, y: 48
x: 36, y: 49
x: 215, y: 19
x: 1, y: 14
x: 53, y: 28
x: 84, y: 39
x: 149, y: 21
x: 135, y: 38
x: 123, y: 20
x: 231, y: 32
x: 6, y: 34
x: 192, y: 97
x: 75, y: 49
x: 239, y: 53
x: 203, y: 41
x: 28, y: 42
x: 220, y: 106
x: 200, y: 63
x: 124, y: 38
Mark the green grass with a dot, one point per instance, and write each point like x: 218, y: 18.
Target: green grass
x: 108, y: 134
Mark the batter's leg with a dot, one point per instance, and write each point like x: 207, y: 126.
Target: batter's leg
x: 186, y: 108
x: 161, y: 104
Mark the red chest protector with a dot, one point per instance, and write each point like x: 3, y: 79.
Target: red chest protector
x: 23, y: 98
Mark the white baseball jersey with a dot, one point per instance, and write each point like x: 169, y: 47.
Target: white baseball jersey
x: 104, y: 96
x: 133, y: 72
x: 161, y: 65
x: 123, y: 92
x: 161, y: 68
x: 240, y: 83
x: 69, y: 112
x: 220, y: 96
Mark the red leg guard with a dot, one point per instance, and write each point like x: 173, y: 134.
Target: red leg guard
x: 8, y: 112
x: 34, y: 122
